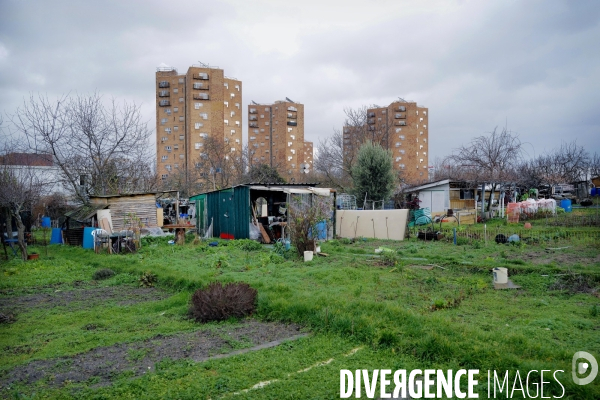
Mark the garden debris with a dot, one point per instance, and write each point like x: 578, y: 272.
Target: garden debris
x: 382, y: 249
x: 558, y: 248
x: 575, y: 283
x: 323, y: 254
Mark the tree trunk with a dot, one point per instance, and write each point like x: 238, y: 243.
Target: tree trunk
x: 489, y: 207
x: 21, y: 236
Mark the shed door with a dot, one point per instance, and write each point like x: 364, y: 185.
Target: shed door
x: 438, y: 201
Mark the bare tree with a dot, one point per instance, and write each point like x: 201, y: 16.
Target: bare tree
x: 337, y: 153
x: 595, y: 165
x: 103, y: 147
x: 21, y: 189
x: 219, y: 167
x: 490, y: 158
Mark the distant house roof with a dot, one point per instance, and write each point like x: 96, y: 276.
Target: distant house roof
x: 28, y: 159
x: 428, y: 185
x: 107, y: 196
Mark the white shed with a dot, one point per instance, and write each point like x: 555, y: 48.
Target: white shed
x: 434, y: 195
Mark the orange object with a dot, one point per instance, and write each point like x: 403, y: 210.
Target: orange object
x: 527, y: 225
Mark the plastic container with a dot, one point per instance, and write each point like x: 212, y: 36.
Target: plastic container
x: 56, y: 236
x: 88, y: 238
x: 322, y: 230
x: 595, y: 192
x: 566, y: 204
x: 46, y: 222
x: 500, y: 275
x: 308, y: 256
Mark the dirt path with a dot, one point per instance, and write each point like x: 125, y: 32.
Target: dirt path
x: 121, y: 295
x: 104, y: 364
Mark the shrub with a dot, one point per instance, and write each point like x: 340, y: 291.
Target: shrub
x: 245, y: 244
x: 217, y: 302
x: 103, y: 273
x: 148, y: 279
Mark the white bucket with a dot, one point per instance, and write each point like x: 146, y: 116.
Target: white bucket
x: 318, y: 249
x: 500, y: 275
x: 308, y: 256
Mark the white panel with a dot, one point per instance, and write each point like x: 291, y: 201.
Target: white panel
x: 381, y: 224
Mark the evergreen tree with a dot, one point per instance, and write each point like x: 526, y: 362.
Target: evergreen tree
x: 372, y: 173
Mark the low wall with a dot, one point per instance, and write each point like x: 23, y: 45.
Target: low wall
x: 380, y: 224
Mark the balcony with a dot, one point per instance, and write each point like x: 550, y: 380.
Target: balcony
x: 163, y: 84
x: 371, y: 121
x: 163, y: 93
x: 400, y: 109
x: 400, y: 123
x: 253, y: 118
x: 290, y: 108
x: 252, y: 111
x: 201, y: 75
x: 370, y: 115
x: 292, y: 123
x: 398, y: 116
x: 200, y: 86
x: 253, y: 124
x: 291, y: 115
x: 201, y: 96
x: 164, y: 103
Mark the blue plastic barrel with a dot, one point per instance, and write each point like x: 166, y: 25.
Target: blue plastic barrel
x: 566, y: 204
x: 45, y: 222
x: 88, y: 239
x: 56, y: 237
x: 322, y: 230
x: 595, y: 192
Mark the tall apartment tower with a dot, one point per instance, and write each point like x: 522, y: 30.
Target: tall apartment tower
x: 400, y: 127
x: 190, y: 108
x: 276, y: 137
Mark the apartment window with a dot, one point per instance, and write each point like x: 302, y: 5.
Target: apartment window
x: 402, y: 166
x: 402, y: 152
x: 252, y: 137
x: 232, y: 113
x: 181, y: 137
x: 204, y: 135
x: 168, y: 111
x: 204, y: 115
x: 198, y: 125
x: 168, y: 167
x: 417, y: 154
x: 398, y: 159
x: 198, y: 145
x: 164, y: 176
x: 267, y: 123
x: 289, y: 129
x: 267, y: 137
x: 176, y: 147
x: 163, y: 121
x: 266, y: 108
x: 181, y: 80
x: 237, y: 105
x: 175, y: 90
x: 417, y: 112
x: 181, y: 156
x: 255, y: 131
x: 181, y: 118
x: 401, y: 137
x: 424, y: 112
x: 262, y: 129
x: 383, y: 111
x: 293, y: 151
x: 233, y: 131
x: 176, y: 166
x: 164, y: 138
x: 175, y: 109
x: 237, y: 87
x: 424, y: 153
x: 398, y: 130
x: 398, y: 144
x: 226, y: 121
x: 232, y: 95
x: 168, y: 130
x: 262, y: 116
x: 379, y: 119
x: 424, y: 126
x: 168, y: 148
x: 420, y: 133
x: 293, y: 137
x: 420, y: 147
x: 233, y: 149
x: 289, y: 144
x: 421, y: 160
x: 226, y: 85
x: 181, y: 99
x: 164, y: 158
x: 226, y: 103
x: 237, y: 123
x: 175, y: 128
x: 197, y: 105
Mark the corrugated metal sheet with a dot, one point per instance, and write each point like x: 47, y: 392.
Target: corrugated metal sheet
x: 229, y: 212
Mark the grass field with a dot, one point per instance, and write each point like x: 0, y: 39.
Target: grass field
x: 362, y: 311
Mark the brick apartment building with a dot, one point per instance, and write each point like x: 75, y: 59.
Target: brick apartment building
x: 400, y: 127
x: 276, y: 137
x: 190, y: 108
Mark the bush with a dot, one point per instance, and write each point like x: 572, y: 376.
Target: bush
x: 245, y: 244
x: 103, y: 273
x: 217, y: 302
x: 148, y: 279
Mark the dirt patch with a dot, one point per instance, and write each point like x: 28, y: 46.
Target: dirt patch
x: 121, y: 295
x: 559, y: 258
x: 102, y: 365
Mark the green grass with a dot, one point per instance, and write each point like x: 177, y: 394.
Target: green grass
x: 347, y: 299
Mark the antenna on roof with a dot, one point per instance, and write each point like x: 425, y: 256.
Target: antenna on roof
x: 204, y: 65
x: 402, y: 100
x: 255, y: 103
x: 290, y: 100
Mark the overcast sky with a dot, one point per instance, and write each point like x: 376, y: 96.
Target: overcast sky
x: 533, y: 66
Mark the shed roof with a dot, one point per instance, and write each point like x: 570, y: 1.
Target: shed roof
x: 84, y: 212
x: 429, y: 185
x: 106, y: 196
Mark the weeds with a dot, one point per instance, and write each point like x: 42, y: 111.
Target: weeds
x: 147, y: 279
x: 218, y: 302
x: 103, y: 273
